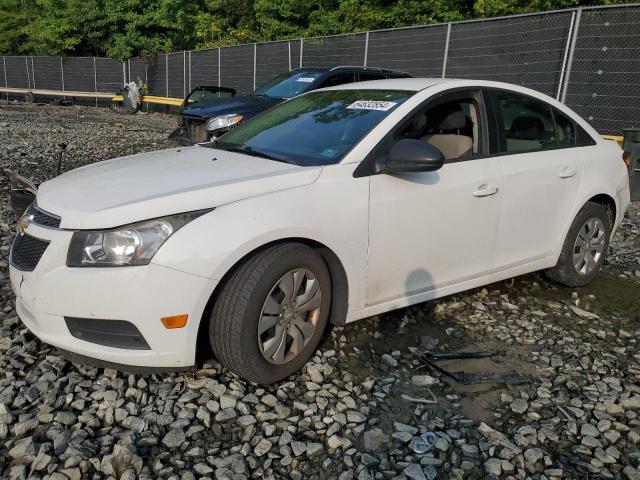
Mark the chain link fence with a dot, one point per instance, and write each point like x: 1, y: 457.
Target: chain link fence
x: 588, y: 58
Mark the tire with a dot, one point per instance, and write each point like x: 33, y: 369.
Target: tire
x: 251, y: 291
x: 566, y: 272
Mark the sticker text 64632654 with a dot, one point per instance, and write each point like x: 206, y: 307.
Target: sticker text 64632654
x: 372, y: 105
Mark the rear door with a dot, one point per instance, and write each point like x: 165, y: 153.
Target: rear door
x: 542, y: 168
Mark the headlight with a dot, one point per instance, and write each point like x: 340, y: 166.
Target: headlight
x: 223, y: 121
x: 133, y: 244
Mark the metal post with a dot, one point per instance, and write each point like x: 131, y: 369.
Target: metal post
x: 255, y: 55
x: 446, y: 51
x: 219, y: 73
x: 166, y: 73
x: 366, y: 49
x: 26, y: 64
x: 289, y: 43
x: 95, y: 79
x: 301, y: 50
x: 190, y: 70
x: 6, y: 83
x: 124, y: 73
x: 33, y: 73
x: 62, y: 75
x: 184, y: 74
x: 129, y: 69
x: 572, y: 49
x: 566, y: 54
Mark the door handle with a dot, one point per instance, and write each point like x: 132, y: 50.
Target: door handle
x: 485, y: 190
x: 568, y: 172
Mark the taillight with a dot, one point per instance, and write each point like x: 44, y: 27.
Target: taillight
x: 626, y: 158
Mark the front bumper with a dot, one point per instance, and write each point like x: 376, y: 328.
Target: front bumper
x: 141, y: 295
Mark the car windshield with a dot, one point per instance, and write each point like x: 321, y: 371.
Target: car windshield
x: 204, y: 95
x: 289, y: 84
x: 318, y: 128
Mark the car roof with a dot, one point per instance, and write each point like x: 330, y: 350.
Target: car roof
x: 411, y: 84
x: 352, y: 68
x: 417, y: 84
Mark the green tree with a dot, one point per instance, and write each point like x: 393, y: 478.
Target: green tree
x: 14, y: 16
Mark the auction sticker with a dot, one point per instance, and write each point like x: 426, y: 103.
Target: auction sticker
x: 372, y: 105
x: 305, y: 79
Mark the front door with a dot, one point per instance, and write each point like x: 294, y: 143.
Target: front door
x: 430, y: 230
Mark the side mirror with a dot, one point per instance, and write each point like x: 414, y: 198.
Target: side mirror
x: 410, y: 155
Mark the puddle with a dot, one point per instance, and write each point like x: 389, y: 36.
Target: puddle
x: 613, y: 295
x: 387, y: 333
x: 369, y: 339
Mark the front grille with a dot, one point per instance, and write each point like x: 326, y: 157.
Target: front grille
x: 41, y: 217
x: 110, y: 333
x: 26, y: 252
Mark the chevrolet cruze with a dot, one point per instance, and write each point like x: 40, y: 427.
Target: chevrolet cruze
x: 333, y: 206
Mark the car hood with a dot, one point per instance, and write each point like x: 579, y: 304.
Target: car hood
x: 149, y: 185
x: 243, y: 105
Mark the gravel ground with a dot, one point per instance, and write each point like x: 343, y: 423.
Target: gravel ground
x: 561, y: 401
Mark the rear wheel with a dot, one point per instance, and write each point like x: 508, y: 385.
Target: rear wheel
x: 272, y: 312
x: 585, y: 247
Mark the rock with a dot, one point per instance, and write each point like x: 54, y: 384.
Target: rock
x: 369, y: 460
x: 519, y: 406
x: 632, y: 403
x: 590, y: 441
x: 335, y: 442
x: 414, y: 471
x: 262, y: 447
x: 376, y: 441
x: 583, y: 313
x: 298, y: 448
x: 355, y: 417
x: 23, y: 451
x: 315, y: 374
x: 533, y: 455
x: 589, y: 430
x: 174, y: 438
x: 423, y: 380
x: 313, y: 448
x: 631, y: 473
x: 470, y: 450
x: 389, y: 360
x: 493, y: 466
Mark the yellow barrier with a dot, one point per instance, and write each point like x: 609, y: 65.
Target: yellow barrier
x: 615, y: 138
x: 175, y: 102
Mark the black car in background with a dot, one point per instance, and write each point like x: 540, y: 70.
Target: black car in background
x: 215, y: 114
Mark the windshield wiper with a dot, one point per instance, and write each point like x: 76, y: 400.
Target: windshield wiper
x: 255, y: 153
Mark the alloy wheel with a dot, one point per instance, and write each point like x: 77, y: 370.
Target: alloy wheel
x: 589, y: 246
x: 289, y: 316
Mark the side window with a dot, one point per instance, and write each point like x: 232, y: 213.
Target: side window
x: 583, y: 139
x: 450, y: 126
x: 338, y: 79
x: 565, y: 130
x: 524, y: 123
x: 363, y: 77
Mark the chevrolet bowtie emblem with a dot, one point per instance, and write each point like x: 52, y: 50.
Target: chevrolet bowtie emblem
x: 23, y: 223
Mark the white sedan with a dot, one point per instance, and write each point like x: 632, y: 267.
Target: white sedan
x: 334, y: 206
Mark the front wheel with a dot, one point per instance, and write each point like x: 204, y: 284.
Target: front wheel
x: 272, y: 312
x: 584, y: 248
